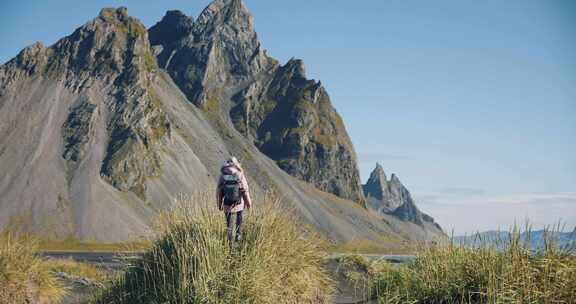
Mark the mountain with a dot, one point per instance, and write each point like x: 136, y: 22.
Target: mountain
x: 391, y: 197
x: 287, y: 116
x: 102, y: 130
x: 535, y: 240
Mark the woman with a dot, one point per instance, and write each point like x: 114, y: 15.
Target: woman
x: 233, y: 195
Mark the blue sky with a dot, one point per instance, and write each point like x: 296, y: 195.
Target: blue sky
x: 471, y: 103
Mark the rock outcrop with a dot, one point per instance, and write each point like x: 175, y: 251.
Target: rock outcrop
x: 392, y: 197
x: 116, y: 46
x: 212, y: 55
x: 291, y: 119
x: 218, y: 62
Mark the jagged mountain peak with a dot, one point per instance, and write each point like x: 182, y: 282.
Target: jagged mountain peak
x: 295, y: 68
x: 394, y: 179
x: 108, y: 44
x: 118, y: 21
x: 232, y: 13
x: 114, y: 14
x: 112, y: 21
x: 379, y: 186
x: 218, y: 51
x: 30, y: 57
x: 175, y: 15
x: 31, y: 50
x: 392, y: 197
x: 378, y: 173
x: 376, y: 187
x: 174, y: 26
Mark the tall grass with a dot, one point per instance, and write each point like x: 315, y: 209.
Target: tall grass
x: 25, y: 277
x: 192, y: 262
x: 506, y: 273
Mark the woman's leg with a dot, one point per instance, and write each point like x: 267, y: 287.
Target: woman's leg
x: 239, y: 226
x: 229, y: 225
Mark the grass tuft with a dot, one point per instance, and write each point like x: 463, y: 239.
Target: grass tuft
x: 192, y: 263
x: 24, y: 276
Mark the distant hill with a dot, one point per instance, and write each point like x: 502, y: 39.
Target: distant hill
x: 534, y: 238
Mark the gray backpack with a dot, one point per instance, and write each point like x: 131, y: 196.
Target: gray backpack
x: 231, y: 190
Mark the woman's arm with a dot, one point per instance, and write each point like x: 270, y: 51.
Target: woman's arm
x: 219, y: 194
x: 246, y: 192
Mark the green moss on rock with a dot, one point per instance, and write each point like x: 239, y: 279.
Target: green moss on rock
x: 149, y: 61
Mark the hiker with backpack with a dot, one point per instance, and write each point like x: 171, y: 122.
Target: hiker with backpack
x: 233, y: 196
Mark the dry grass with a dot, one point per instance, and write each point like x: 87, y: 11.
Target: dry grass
x: 72, y: 245
x: 503, y: 273
x: 192, y: 263
x: 25, y: 277
x: 77, y: 269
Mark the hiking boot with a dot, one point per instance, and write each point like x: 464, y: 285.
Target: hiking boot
x: 238, y: 237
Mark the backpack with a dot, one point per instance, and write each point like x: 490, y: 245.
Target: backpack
x: 231, y: 191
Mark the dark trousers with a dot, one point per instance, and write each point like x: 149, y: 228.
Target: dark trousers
x: 229, y: 225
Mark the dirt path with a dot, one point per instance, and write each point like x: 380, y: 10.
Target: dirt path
x: 109, y: 262
x: 349, y: 294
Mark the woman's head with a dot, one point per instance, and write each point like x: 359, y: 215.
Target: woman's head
x: 233, y: 161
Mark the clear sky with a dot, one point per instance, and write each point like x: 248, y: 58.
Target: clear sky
x: 471, y: 103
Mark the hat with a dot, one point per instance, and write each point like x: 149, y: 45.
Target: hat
x: 232, y: 161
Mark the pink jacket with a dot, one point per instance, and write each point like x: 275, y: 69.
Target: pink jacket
x: 245, y: 201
